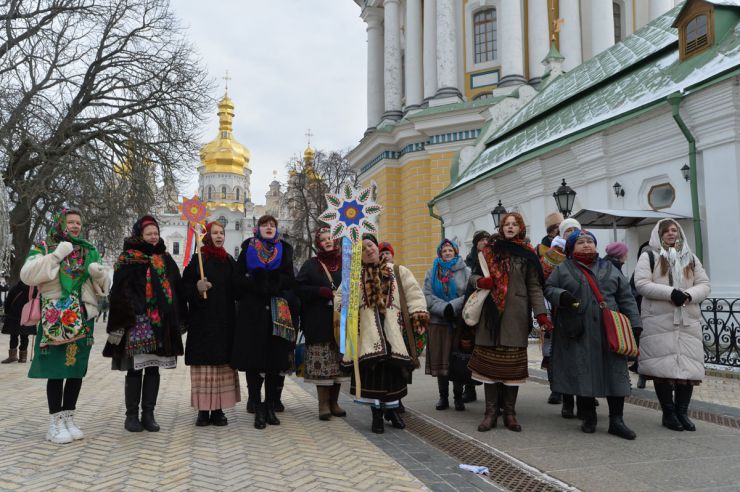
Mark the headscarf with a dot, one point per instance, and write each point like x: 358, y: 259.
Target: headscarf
x: 678, y: 257
x: 264, y: 253
x: 331, y: 259
x: 443, y: 278
x: 570, y: 246
x: 73, y: 270
x: 209, y: 247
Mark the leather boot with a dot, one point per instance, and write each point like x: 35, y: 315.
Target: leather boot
x: 510, y: 394
x: 555, y: 398
x: 132, y: 392
x: 490, y: 417
x: 469, y: 394
x: 218, y: 418
x: 457, y: 392
x: 587, y: 411
x: 392, y: 416
x: 149, y: 392
x: 278, y: 403
x: 260, y: 418
x: 22, y: 356
x: 618, y: 428
x: 377, y: 425
x: 683, y: 399
x: 443, y: 385
x: 270, y: 416
x: 204, y: 418
x: 567, y: 411
x: 12, y: 356
x: 324, y: 394
x: 250, y: 405
x: 336, y: 410
x: 664, y: 391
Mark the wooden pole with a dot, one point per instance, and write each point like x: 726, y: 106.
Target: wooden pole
x: 200, y: 258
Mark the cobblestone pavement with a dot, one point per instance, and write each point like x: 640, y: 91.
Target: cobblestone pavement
x: 301, y: 454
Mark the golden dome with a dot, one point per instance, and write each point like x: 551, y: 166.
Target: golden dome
x: 308, y: 154
x: 224, y: 154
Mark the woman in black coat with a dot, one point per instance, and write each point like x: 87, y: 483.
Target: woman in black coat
x: 264, y: 337
x: 318, y: 279
x: 214, y: 385
x: 146, y: 309
x: 13, y: 305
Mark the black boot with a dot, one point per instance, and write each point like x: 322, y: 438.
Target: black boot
x: 250, y: 405
x: 587, y: 410
x: 132, y: 391
x: 392, y: 416
x: 618, y: 428
x: 218, y: 418
x: 457, y: 392
x: 260, y: 419
x: 443, y: 385
x: 567, y: 411
x: 150, y: 390
x: 555, y: 398
x: 664, y: 391
x: 203, y: 419
x: 469, y: 394
x: 278, y: 403
x: 377, y: 425
x: 270, y: 413
x: 683, y: 399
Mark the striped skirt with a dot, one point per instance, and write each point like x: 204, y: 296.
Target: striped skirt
x: 214, y: 387
x: 499, y: 364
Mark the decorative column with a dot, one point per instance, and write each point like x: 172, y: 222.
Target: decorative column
x: 430, y: 49
x: 510, y: 41
x: 602, y: 26
x: 539, y: 38
x: 446, y: 51
x: 657, y: 8
x: 374, y: 19
x: 392, y: 65
x: 413, y: 60
x: 570, y: 34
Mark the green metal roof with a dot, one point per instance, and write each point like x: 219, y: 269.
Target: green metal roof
x: 632, y: 75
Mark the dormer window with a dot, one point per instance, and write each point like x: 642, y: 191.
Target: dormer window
x: 695, y: 26
x: 696, y: 34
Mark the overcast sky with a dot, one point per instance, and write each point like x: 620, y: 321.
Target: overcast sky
x: 294, y: 65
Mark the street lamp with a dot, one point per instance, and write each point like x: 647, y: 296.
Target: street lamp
x: 686, y: 172
x: 496, y: 213
x: 564, y: 197
x: 618, y: 189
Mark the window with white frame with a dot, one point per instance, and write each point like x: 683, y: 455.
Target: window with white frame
x: 617, y: 9
x: 485, y: 44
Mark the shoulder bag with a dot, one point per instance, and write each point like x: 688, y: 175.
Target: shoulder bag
x: 474, y: 305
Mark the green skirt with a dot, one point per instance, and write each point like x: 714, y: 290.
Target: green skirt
x: 68, y: 361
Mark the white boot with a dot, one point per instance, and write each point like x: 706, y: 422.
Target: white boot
x: 69, y: 423
x: 58, y: 432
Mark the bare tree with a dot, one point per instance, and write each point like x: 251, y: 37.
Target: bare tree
x: 308, y: 184
x: 99, y: 100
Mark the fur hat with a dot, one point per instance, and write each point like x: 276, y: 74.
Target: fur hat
x: 480, y: 235
x: 568, y: 224
x: 552, y: 220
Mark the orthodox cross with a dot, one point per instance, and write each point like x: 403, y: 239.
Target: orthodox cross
x: 226, y: 81
x: 309, y: 135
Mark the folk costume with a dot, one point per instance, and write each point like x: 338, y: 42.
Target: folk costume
x: 318, y: 280
x: 500, y: 355
x: 584, y: 366
x: 265, y: 335
x: 70, y: 278
x: 444, y: 290
x: 214, y: 384
x: 146, y: 310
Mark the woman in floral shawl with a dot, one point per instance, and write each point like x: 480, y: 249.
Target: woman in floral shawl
x: 144, y: 322
x: 69, y: 276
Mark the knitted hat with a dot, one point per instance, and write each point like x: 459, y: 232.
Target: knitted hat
x: 480, y: 235
x: 568, y: 224
x: 386, y: 246
x: 616, y: 250
x: 552, y: 220
x: 570, y: 243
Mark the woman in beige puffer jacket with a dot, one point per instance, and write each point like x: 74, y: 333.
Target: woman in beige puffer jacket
x: 673, y: 284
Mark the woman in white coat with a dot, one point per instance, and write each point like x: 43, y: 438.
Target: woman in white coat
x: 673, y: 284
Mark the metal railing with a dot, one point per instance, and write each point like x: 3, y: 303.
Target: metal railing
x: 721, y: 331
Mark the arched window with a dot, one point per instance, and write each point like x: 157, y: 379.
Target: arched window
x: 238, y: 225
x: 484, y: 35
x: 223, y: 193
x: 210, y: 193
x: 617, y: 8
x: 238, y: 194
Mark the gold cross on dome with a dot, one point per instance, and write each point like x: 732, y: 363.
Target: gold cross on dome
x: 226, y: 81
x: 309, y: 135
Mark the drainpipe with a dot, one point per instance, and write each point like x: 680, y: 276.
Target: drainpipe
x: 435, y: 216
x: 675, y: 101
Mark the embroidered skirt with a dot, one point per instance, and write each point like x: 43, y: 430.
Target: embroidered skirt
x: 214, y: 387
x: 439, y: 346
x: 384, y: 381
x: 68, y: 361
x: 322, y: 364
x: 499, y: 364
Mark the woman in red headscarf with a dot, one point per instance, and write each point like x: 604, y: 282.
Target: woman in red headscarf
x: 213, y: 383
x: 318, y: 279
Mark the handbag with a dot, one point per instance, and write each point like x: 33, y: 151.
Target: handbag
x: 282, y: 321
x: 31, y: 312
x: 413, y: 339
x: 617, y: 326
x: 300, y: 356
x: 474, y: 305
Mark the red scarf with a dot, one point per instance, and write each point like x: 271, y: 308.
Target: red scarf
x: 219, y: 254
x: 586, y: 259
x: 499, y: 264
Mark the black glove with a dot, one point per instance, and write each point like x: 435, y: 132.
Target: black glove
x: 449, y: 313
x: 567, y: 300
x: 678, y: 297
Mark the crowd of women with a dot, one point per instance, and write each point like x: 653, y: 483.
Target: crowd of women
x: 243, y: 315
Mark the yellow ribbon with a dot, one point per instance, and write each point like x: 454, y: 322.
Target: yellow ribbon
x: 353, y: 328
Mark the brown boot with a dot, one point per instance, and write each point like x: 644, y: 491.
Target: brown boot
x: 12, y: 357
x: 336, y: 410
x: 510, y: 394
x: 490, y: 417
x: 22, y: 356
x: 324, y: 393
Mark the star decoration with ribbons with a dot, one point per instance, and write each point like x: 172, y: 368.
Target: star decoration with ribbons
x: 193, y: 210
x: 352, y: 212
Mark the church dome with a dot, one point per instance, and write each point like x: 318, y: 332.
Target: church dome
x: 309, y: 154
x: 224, y: 154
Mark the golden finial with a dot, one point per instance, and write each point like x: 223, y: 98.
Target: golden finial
x: 226, y: 82
x: 556, y: 23
x: 309, y: 153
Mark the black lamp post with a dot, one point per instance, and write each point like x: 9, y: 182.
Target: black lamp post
x: 496, y: 213
x: 686, y: 172
x: 564, y: 197
x: 618, y: 189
